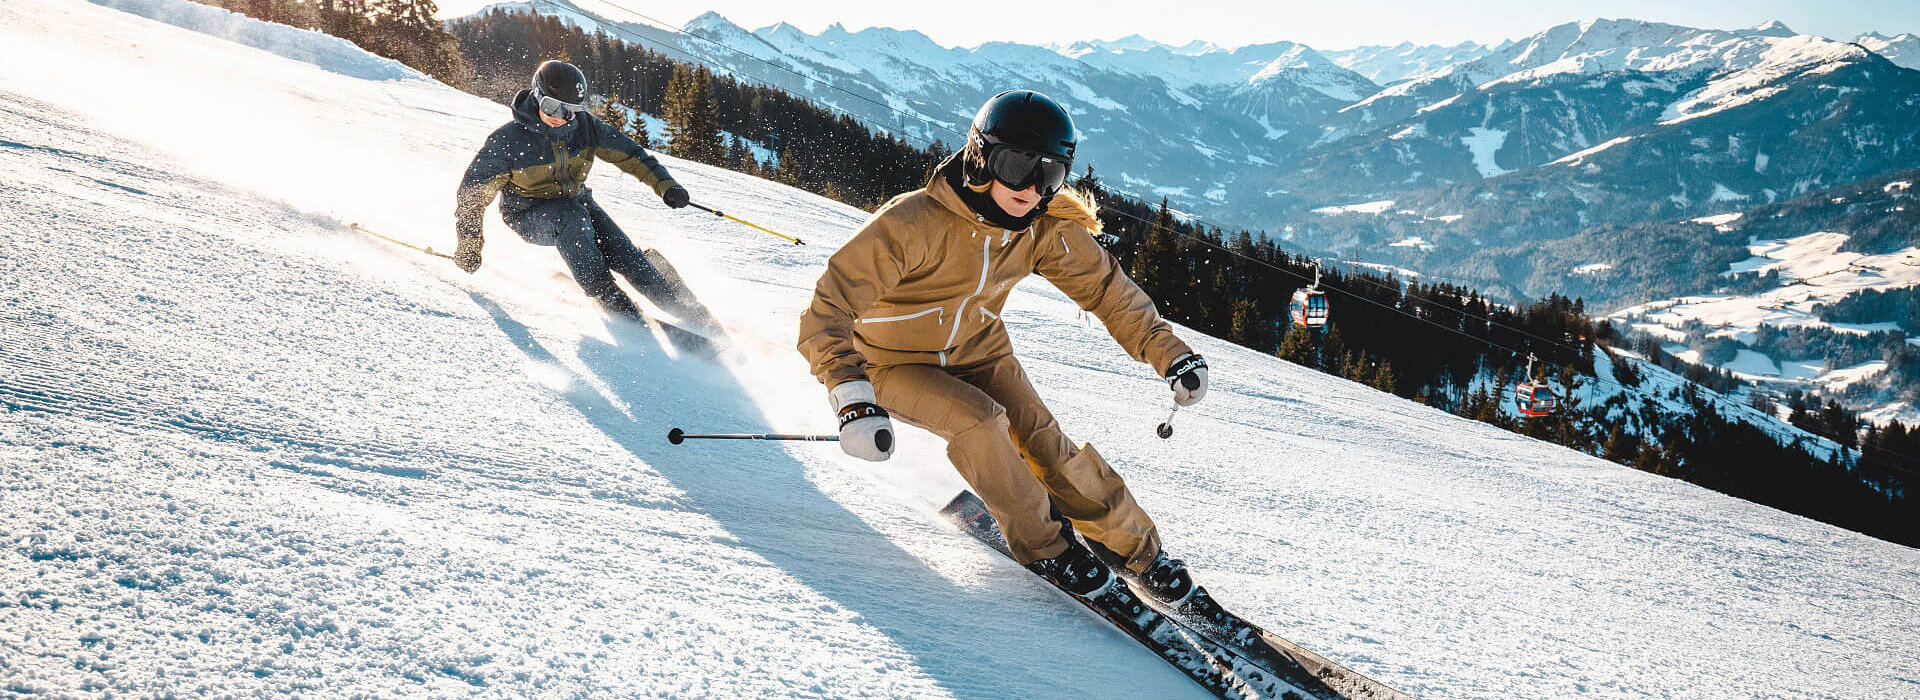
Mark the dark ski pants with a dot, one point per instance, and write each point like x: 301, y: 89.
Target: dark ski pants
x: 595, y: 248
x: 1009, y: 448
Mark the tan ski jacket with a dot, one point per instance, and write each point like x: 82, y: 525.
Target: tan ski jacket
x: 923, y: 282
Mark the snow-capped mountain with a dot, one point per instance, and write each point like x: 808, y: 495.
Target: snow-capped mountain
x: 1903, y: 50
x: 249, y: 452
x: 1158, y: 120
x: 1676, y: 56
x: 1262, y: 135
x: 1598, y: 124
x: 1387, y: 65
x: 1277, y: 85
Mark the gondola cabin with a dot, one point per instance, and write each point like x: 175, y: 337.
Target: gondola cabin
x: 1535, y: 400
x: 1309, y: 308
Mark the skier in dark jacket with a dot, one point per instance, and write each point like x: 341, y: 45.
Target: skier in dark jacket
x: 538, y: 164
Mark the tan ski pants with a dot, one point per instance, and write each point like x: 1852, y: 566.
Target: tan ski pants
x: 1008, y: 446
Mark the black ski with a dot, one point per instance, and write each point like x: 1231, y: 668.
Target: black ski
x: 1321, y: 677
x: 1222, y: 671
x: 687, y: 340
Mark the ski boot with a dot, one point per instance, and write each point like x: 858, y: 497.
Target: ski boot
x: 1076, y: 571
x: 1167, y: 580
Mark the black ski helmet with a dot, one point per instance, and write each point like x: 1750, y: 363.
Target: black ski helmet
x: 560, y: 80
x: 1022, y: 119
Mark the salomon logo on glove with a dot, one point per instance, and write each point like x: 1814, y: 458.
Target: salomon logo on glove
x: 865, y: 430
x: 1188, y: 379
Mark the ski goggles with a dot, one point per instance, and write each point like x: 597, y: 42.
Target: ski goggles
x: 553, y: 107
x: 1019, y: 168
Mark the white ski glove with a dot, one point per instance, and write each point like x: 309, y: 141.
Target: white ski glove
x: 865, y: 430
x: 1187, y: 377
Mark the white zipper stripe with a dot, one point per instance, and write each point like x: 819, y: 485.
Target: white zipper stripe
x: 986, y: 265
x: 889, y: 319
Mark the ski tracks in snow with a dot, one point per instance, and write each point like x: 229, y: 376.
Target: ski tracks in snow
x: 264, y: 455
x: 244, y: 451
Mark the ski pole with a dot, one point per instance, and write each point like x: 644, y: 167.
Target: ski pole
x: 737, y: 220
x: 677, y: 436
x: 402, y: 244
x: 1166, y: 429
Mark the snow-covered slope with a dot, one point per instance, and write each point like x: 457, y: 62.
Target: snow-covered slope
x: 1903, y: 49
x: 249, y: 452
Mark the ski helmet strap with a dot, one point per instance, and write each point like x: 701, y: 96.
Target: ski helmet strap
x: 856, y: 411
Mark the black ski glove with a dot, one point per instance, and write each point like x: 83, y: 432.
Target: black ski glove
x: 676, y: 197
x: 467, y: 256
x: 1188, y: 379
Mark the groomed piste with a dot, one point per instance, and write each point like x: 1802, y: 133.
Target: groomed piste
x: 246, y: 450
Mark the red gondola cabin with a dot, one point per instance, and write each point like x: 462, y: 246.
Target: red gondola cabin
x: 1309, y: 308
x: 1535, y: 400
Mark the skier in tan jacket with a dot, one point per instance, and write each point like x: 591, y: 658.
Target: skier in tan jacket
x: 906, y: 322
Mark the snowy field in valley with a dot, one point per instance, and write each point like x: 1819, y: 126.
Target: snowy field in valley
x: 1813, y: 270
x: 246, y: 451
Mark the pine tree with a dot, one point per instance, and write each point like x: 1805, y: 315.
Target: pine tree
x: 1473, y: 404
x: 1298, y: 347
x: 1153, y: 263
x: 693, y: 120
x: 1621, y: 448
x: 609, y: 110
x: 1670, y: 461
x: 1244, y: 327
x: 1332, y: 350
x: 1489, y: 408
x: 1218, y: 306
x: 1355, y: 369
x: 1383, y: 378
x: 738, y: 157
x: 1648, y: 458
x: 638, y: 129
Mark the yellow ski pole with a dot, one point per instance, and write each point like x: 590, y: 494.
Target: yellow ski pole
x: 402, y: 244
x: 763, y: 229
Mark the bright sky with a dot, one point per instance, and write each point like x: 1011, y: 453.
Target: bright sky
x: 1324, y: 24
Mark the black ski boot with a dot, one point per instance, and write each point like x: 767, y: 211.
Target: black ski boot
x: 615, y: 303
x: 1076, y: 571
x: 1167, y: 580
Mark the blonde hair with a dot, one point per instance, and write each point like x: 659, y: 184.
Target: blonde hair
x: 1077, y: 206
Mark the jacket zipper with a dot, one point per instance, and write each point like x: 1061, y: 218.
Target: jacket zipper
x: 986, y: 265
x: 889, y: 319
x: 559, y: 165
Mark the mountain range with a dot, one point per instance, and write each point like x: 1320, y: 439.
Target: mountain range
x: 1594, y: 123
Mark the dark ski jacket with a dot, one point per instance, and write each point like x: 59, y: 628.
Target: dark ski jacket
x: 526, y: 161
